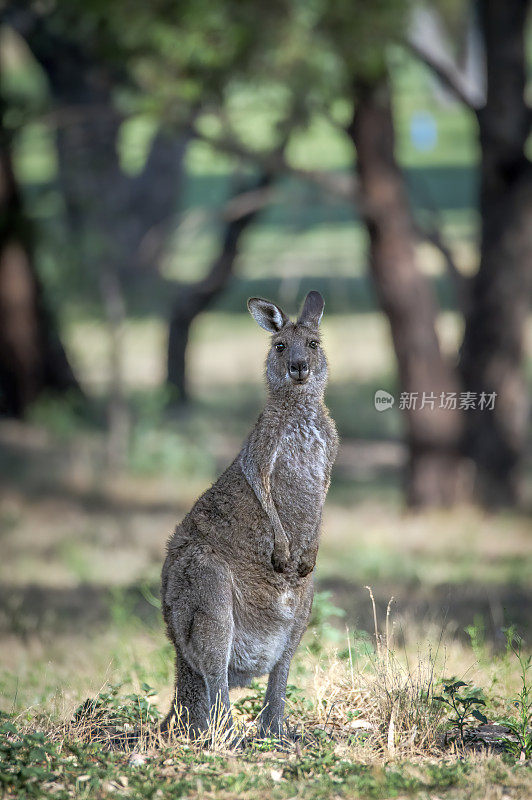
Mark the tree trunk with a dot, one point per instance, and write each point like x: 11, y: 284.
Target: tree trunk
x: 197, y: 297
x: 405, y: 296
x: 32, y: 358
x: 492, y: 349
x: 119, y: 223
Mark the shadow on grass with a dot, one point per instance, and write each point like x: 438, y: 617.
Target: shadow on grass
x: 38, y: 610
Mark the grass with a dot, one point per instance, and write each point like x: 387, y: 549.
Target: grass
x: 81, y: 770
x: 367, y: 713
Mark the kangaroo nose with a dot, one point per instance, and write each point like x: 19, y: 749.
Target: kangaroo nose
x: 299, y: 370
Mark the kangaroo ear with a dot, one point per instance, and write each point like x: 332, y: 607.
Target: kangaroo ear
x: 312, y: 310
x: 268, y: 315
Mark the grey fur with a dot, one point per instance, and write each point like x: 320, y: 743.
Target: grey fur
x: 237, y: 580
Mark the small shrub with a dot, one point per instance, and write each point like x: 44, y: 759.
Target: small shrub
x: 24, y: 759
x: 520, y: 724
x: 463, y: 701
x: 252, y: 704
x: 110, y: 713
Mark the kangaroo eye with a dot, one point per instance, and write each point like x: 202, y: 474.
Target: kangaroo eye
x: 313, y: 343
x: 280, y: 347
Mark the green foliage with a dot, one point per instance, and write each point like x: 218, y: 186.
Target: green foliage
x: 520, y: 724
x: 477, y: 635
x: 25, y: 760
x: 111, y: 708
x: 343, y: 22
x: 252, y: 704
x: 320, y: 629
x: 463, y: 701
x: 158, y: 446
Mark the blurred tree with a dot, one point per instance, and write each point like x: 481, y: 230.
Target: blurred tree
x: 406, y: 297
x: 119, y: 222
x: 32, y: 358
x: 198, y: 296
x: 117, y: 218
x: 403, y: 291
x: 172, y: 60
x: 492, y: 353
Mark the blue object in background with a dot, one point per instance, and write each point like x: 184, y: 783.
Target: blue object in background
x: 423, y: 131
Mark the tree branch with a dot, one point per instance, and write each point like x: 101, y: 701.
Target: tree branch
x: 427, y: 41
x: 343, y: 187
x: 433, y: 236
x: 448, y: 74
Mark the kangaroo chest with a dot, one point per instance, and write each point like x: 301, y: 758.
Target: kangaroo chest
x: 301, y: 474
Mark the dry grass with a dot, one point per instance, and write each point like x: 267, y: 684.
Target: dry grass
x: 390, y: 700
x: 379, y: 702
x: 367, y: 720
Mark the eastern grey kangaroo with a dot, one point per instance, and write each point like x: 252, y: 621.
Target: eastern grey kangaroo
x: 237, y: 580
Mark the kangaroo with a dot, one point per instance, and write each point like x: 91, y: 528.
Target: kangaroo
x: 237, y: 580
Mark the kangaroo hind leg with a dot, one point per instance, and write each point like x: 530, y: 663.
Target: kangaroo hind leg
x: 202, y: 631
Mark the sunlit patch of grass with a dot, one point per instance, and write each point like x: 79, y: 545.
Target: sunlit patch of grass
x: 366, y: 717
x: 462, y: 545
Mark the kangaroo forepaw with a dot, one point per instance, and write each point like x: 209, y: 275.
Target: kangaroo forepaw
x: 280, y: 557
x: 307, y: 562
x: 305, y: 568
x: 279, y: 563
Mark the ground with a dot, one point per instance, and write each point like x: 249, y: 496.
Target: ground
x: 82, y: 549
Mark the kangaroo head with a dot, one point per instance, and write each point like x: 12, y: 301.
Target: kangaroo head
x: 295, y: 359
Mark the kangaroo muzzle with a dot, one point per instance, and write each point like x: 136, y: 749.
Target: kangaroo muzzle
x: 299, y: 371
